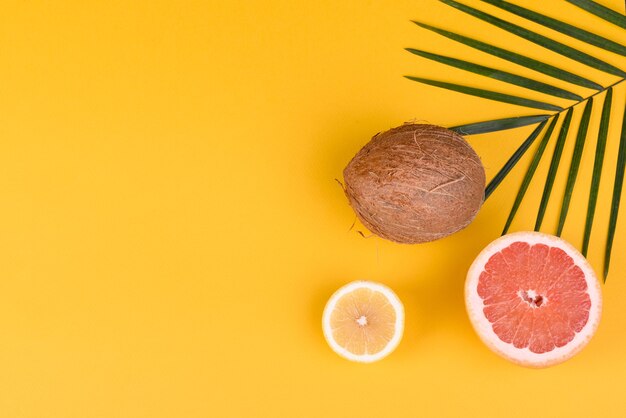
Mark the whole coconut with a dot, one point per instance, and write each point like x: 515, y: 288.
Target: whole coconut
x: 415, y: 183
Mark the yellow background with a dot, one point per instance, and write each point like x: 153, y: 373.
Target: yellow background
x: 170, y: 225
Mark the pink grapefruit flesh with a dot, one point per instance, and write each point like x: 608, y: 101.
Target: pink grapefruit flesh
x: 533, y: 298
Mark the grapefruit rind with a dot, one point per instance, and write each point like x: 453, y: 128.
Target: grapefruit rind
x: 394, y: 301
x: 523, y: 356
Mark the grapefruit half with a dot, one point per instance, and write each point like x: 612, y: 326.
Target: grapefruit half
x: 533, y: 298
x: 363, y: 321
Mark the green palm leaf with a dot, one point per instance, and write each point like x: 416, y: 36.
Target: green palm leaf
x: 498, y: 124
x: 519, y: 59
x: 601, y: 11
x: 508, y: 166
x: 540, y: 120
x: 498, y: 75
x: 617, y: 194
x: 597, y: 168
x: 573, y: 169
x: 565, y: 28
x: 554, y: 166
x: 487, y: 94
x: 541, y: 40
x: 530, y: 173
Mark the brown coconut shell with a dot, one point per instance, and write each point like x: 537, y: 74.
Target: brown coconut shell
x: 415, y: 183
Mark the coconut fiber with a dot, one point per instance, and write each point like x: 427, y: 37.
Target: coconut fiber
x: 415, y: 183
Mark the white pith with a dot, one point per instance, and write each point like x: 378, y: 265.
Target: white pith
x: 394, y: 301
x: 483, y: 327
x: 532, y: 295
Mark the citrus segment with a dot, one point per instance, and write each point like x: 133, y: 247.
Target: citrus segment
x: 533, y: 298
x: 363, y: 321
